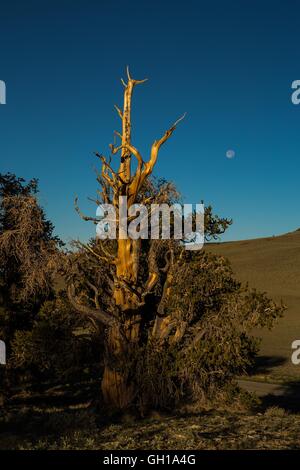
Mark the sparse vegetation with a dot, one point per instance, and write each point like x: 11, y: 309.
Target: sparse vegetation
x: 177, y: 323
x: 78, y: 427
x: 143, y: 338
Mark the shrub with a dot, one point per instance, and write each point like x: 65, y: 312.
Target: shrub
x: 213, y: 342
x: 60, y: 346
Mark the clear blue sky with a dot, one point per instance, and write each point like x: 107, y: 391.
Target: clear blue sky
x: 228, y: 64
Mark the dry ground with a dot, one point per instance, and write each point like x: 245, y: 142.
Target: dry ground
x: 80, y: 427
x: 61, y: 421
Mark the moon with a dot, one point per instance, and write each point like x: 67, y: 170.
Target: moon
x: 230, y: 154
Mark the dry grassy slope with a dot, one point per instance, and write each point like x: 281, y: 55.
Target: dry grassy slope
x: 272, y: 265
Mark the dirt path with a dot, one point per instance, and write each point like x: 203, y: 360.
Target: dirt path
x: 286, y: 396
x: 263, y: 389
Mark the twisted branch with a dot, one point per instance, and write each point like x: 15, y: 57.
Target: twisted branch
x: 96, y: 314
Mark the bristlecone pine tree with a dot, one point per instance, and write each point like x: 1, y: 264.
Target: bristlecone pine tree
x: 159, y: 304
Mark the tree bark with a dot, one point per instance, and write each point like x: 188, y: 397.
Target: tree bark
x: 117, y: 388
x: 124, y: 328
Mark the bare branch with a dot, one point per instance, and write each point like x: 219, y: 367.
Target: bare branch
x: 155, y: 149
x: 111, y: 180
x: 109, y: 255
x: 84, y: 217
x: 196, y: 339
x: 134, y: 82
x: 88, y: 248
x: 152, y: 268
x: 97, y: 314
x: 119, y: 111
x: 128, y: 74
x: 178, y: 120
x: 139, y: 82
x: 131, y: 149
x: 131, y: 289
x: 118, y: 134
x: 96, y: 294
x: 162, y: 327
x: 167, y: 285
x: 169, y: 258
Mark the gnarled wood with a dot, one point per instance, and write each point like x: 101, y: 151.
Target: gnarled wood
x: 129, y: 296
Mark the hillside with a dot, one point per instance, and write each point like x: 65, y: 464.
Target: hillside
x: 271, y: 265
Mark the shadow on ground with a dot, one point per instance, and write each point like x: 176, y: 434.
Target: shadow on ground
x: 265, y: 364
x: 287, y: 397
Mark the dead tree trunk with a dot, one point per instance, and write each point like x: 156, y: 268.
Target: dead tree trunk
x: 124, y: 327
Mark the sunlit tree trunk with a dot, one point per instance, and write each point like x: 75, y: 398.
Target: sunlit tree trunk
x: 124, y: 327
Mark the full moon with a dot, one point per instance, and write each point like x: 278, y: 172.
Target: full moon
x: 230, y: 154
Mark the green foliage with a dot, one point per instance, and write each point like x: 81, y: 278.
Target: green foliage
x: 59, y: 345
x: 206, y: 340
x: 214, y: 225
x: 214, y: 315
x: 29, y: 257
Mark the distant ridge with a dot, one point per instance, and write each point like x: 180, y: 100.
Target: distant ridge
x: 271, y: 264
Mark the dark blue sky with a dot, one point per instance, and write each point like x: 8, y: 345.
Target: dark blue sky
x: 228, y: 64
